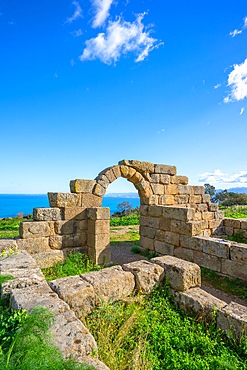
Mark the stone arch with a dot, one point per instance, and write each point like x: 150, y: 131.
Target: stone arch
x: 136, y: 174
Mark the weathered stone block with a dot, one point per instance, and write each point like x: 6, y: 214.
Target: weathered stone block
x: 34, y: 229
x: 155, y: 211
x: 186, y: 228
x: 64, y: 227
x: 64, y: 241
x: 181, y: 199
x: 71, y: 337
x: 98, y: 213
x: 147, y: 231
x: 189, y: 242
x: 198, y: 302
x: 184, y: 253
x: 195, y: 199
x: 171, y: 189
x: 77, y: 213
x: 98, y: 241
x: 139, y: 165
x: 147, y: 242
x: 100, y: 256
x: 76, y: 292
x: 165, y: 224
x: 163, y: 248
x: 184, y: 189
x: 163, y: 168
x: 207, y: 215
x: 99, y: 190
x: 61, y: 200
x: 103, y: 181
x: 213, y: 207
x: 236, y: 269
x: 158, y: 189
x: 243, y: 224
x: 147, y: 275
x: 20, y: 261
x: 202, y: 207
x: 178, y: 213
x: 231, y: 222
x: 183, y: 180
x: 144, y: 209
x: 48, y: 259
x: 136, y: 178
x: 34, y: 245
x: 47, y: 214
x: 233, y: 317
x: 6, y: 244
x: 198, y: 190
x: 166, y: 200
x: 207, y: 261
x: 111, y: 284
x: 238, y: 252
x: 206, y: 198
x: 98, y: 365
x: 99, y: 226
x: 80, y: 226
x: 215, y: 247
x: 82, y: 186
x: 181, y: 274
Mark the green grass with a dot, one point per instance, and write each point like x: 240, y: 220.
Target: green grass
x: 133, y: 219
x: 146, y: 252
x: 239, y: 238
x: 130, y: 235
x: 75, y: 264
x: 149, y: 333
x: 230, y: 286
x: 235, y: 211
x: 9, y: 228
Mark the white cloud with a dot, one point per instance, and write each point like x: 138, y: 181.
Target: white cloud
x: 235, y: 33
x: 120, y: 38
x: 217, y: 86
x: 77, y: 33
x: 245, y: 23
x: 77, y: 13
x: 242, y: 111
x: 217, y: 176
x: 237, y: 81
x: 102, y: 8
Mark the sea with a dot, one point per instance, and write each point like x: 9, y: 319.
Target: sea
x: 12, y: 205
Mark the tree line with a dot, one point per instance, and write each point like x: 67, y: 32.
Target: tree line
x: 224, y: 197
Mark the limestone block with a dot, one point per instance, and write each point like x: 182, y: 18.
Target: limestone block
x: 81, y: 226
x: 202, y: 207
x: 231, y: 222
x: 47, y: 214
x: 139, y: 165
x: 144, y: 209
x: 147, y: 275
x: 150, y: 200
x: 171, y: 189
x: 165, y: 224
x: 163, y: 168
x: 184, y: 253
x: 215, y: 247
x: 147, y: 192
x: 236, y: 269
x: 112, y: 173
x: 206, y: 198
x: 100, y: 256
x: 111, y: 284
x: 142, y: 185
x: 208, y: 261
x: 228, y: 230
x: 155, y: 211
x: 37, y: 295
x: 183, y: 180
x: 99, y: 190
x: 144, y: 221
x: 63, y: 241
x: 136, y: 178
x: 198, y: 302
x: 158, y: 189
x: 48, y: 259
x: 199, y: 190
x: 168, y: 237
x: 82, y: 186
x: 61, y: 200
x: 76, y: 292
x: 116, y: 171
x: 166, y: 200
x: 147, y: 242
x: 155, y: 178
x: 163, y: 248
x: 213, y: 207
x: 195, y: 199
x: 77, y: 213
x: 98, y: 241
x: 208, y: 215
x: 99, y: 226
x: 219, y: 215
x: 198, y: 216
x: 181, y: 199
x: 214, y: 224
x: 153, y: 222
x: 98, y: 213
x: 6, y: 244
x: 103, y: 181
x: 64, y: 227
x: 178, y: 213
x: 71, y: 337
x: 19, y: 261
x: 181, y: 274
x: 189, y: 242
x: 186, y: 228
x: 243, y: 224
x: 238, y: 252
x: 184, y: 189
x: 233, y: 317
x: 90, y: 200
x: 34, y: 245
x: 147, y: 231
x: 34, y: 229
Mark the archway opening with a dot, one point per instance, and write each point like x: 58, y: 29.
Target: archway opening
x: 124, y: 202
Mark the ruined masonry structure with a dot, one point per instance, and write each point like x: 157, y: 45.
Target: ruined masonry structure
x: 176, y: 219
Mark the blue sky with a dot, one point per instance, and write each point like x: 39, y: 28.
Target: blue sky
x: 87, y: 83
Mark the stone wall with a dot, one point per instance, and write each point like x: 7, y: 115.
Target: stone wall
x: 176, y: 219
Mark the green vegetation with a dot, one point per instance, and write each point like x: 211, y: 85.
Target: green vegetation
x: 121, y: 234
x: 235, y: 211
x: 146, y: 252
x: 133, y: 219
x: 75, y: 264
x: 238, y: 238
x: 225, y: 198
x: 234, y: 287
x: 149, y: 333
x: 9, y: 227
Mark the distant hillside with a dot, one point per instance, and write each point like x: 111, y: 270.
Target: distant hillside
x: 238, y: 190
x: 122, y: 195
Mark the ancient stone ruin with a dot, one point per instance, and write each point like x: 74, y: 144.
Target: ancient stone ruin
x: 177, y: 221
